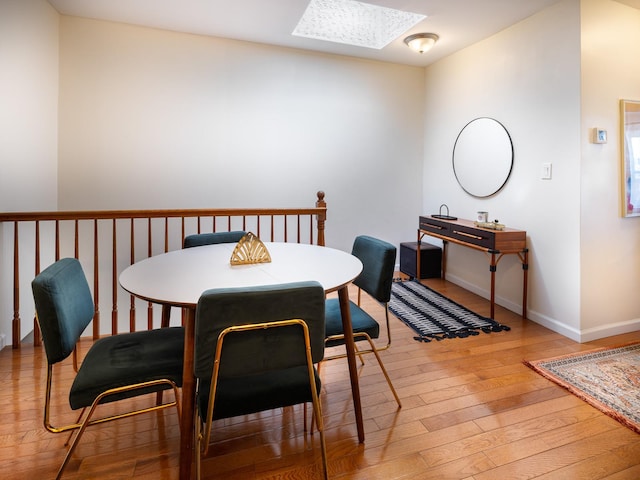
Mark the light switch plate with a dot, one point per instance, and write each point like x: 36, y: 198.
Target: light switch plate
x: 546, y: 171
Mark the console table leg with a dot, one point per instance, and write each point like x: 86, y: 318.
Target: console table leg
x: 444, y: 259
x: 418, y: 260
x: 492, y: 269
x: 525, y: 274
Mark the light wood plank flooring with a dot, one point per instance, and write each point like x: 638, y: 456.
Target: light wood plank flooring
x: 471, y: 410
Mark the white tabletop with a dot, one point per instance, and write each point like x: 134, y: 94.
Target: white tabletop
x: 179, y: 277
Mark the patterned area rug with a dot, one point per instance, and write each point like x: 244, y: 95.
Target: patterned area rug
x: 608, y: 379
x: 434, y: 316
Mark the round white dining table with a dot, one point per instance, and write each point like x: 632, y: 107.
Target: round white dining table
x: 178, y: 278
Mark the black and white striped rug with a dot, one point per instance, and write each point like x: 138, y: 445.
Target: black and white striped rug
x: 434, y: 316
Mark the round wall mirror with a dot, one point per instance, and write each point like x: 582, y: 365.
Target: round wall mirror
x: 482, y: 157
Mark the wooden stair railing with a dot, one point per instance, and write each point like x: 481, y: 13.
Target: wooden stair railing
x: 70, y: 232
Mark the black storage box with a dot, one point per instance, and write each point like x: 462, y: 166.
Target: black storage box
x: 430, y: 259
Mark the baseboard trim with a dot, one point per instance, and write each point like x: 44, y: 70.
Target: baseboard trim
x: 610, y: 330
x: 580, y: 336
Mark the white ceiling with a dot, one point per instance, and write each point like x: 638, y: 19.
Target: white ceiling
x: 459, y: 23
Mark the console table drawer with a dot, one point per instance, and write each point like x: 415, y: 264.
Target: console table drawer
x: 474, y: 236
x: 457, y: 231
x: 435, y: 226
x: 465, y: 231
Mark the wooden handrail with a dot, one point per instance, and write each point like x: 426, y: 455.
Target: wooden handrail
x: 309, y: 228
x: 171, y: 213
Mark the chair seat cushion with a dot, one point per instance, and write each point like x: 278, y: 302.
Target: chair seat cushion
x: 255, y: 393
x: 361, y: 322
x: 126, y: 359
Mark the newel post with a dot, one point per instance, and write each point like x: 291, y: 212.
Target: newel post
x: 320, y: 203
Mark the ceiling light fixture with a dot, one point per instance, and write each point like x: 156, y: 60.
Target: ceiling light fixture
x: 421, y: 42
x: 354, y: 23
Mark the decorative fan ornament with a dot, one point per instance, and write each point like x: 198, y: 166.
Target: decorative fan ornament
x: 250, y: 249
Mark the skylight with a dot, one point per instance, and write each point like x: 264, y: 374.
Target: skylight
x: 354, y: 23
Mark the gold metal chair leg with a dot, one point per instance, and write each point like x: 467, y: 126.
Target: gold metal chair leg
x: 87, y: 421
x: 71, y: 432
x: 317, y: 414
x: 384, y: 371
x: 74, y: 444
x: 360, y: 355
x: 198, y: 446
x: 304, y: 417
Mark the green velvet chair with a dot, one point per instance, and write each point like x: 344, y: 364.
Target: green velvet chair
x: 199, y: 239
x: 255, y: 350
x: 378, y: 259
x: 115, y: 367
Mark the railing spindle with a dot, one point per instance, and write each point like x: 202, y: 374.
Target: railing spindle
x: 149, y: 254
x: 37, y: 338
x: 57, y: 257
x: 96, y: 280
x: 132, y: 299
x: 272, y: 217
x: 15, y: 324
x: 114, y: 277
x: 76, y: 239
x: 166, y: 234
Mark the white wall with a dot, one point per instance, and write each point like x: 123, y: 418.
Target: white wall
x: 528, y: 78
x: 29, y: 98
x: 28, y: 126
x: 610, y: 256
x: 156, y: 119
x: 549, y: 79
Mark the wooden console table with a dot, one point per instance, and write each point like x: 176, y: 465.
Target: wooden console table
x: 495, y: 243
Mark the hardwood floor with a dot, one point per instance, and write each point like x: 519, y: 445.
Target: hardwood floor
x: 471, y: 410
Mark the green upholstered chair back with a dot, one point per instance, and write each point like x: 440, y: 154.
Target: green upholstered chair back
x: 259, y: 351
x: 199, y: 239
x: 378, y: 260
x: 64, y: 306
